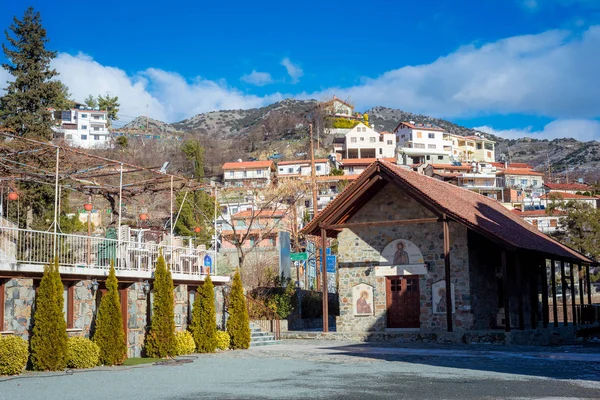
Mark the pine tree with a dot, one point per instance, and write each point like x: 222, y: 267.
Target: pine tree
x: 109, y: 334
x: 238, y: 324
x: 110, y: 105
x: 204, y: 319
x: 49, y: 337
x: 160, y: 340
x: 24, y: 106
x: 91, y: 101
x: 197, y: 211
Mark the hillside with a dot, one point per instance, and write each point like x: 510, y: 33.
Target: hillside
x: 281, y: 127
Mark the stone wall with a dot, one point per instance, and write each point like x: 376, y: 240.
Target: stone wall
x: 137, y: 310
x: 359, y: 252
x: 19, y: 298
x: 84, y: 307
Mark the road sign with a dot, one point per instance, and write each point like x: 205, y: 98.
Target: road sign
x: 208, y: 261
x: 298, y: 256
x: 331, y: 263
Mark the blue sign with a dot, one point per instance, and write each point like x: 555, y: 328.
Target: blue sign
x: 331, y: 263
x: 208, y: 261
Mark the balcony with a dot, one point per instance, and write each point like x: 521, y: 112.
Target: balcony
x: 24, y: 250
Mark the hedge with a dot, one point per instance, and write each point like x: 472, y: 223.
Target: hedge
x: 160, y: 340
x: 14, y: 352
x: 82, y: 353
x: 223, y: 340
x: 184, y: 343
x: 204, y: 320
x: 238, y: 324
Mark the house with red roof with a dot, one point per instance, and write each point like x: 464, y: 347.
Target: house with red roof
x: 573, y: 188
x: 248, y: 173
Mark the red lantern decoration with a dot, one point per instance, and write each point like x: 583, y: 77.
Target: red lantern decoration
x: 13, y: 196
x: 88, y: 207
x: 197, y: 229
x: 143, y: 216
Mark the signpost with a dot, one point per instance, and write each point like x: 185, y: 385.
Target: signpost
x: 208, y: 262
x: 299, y: 256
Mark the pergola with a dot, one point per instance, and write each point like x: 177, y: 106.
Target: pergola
x: 28, y: 160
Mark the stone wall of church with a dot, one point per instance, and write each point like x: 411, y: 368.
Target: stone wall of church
x: 359, y: 253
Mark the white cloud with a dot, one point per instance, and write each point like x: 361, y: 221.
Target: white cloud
x: 584, y: 130
x: 162, y: 95
x: 535, y: 5
x: 552, y: 73
x: 4, y: 77
x: 531, y: 5
x: 258, y: 78
x: 293, y: 70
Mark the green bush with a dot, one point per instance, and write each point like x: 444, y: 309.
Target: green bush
x: 109, y: 334
x: 160, y: 340
x: 13, y: 355
x: 184, y: 343
x: 49, y: 337
x: 223, y: 340
x: 82, y: 353
x: 238, y: 324
x: 204, y: 320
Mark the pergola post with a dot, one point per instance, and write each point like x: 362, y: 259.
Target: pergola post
x: 563, y: 280
x: 544, y: 281
x: 505, y: 288
x: 520, y: 302
x: 553, y: 281
x: 580, y: 276
x: 573, y: 296
x: 589, y: 283
x: 119, y: 219
x: 54, y: 249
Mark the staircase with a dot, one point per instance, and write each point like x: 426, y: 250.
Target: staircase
x: 260, y: 338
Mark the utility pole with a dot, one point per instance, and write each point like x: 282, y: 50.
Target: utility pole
x: 313, y: 175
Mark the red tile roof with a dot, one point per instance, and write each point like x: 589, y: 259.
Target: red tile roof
x: 513, y: 165
x: 452, y: 167
x: 294, y: 162
x: 520, y: 172
x: 259, y: 214
x: 363, y: 161
x: 247, y: 165
x: 568, y: 186
x: 538, y: 213
x: 565, y: 195
x: 419, y: 126
x: 479, y: 213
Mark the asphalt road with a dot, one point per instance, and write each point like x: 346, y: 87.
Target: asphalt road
x: 336, y: 370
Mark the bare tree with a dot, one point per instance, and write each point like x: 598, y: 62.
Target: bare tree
x: 270, y: 210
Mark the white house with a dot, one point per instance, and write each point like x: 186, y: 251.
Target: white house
x: 355, y: 166
x: 564, y: 197
x: 295, y: 168
x: 364, y: 142
x: 84, y: 127
x: 418, y: 143
x: 248, y: 173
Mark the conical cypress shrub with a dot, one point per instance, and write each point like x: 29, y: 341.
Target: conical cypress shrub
x: 204, y: 319
x: 160, y: 340
x: 238, y: 324
x: 49, y: 337
x: 109, y: 334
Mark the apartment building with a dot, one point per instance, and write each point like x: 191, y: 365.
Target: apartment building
x: 296, y: 168
x: 357, y: 165
x: 364, y: 142
x: 83, y: 127
x: 248, y: 173
x: 472, y: 148
x: 419, y: 143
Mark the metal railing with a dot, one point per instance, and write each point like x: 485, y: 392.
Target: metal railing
x: 264, y: 317
x: 25, y: 246
x: 587, y: 314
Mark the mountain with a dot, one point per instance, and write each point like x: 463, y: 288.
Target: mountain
x: 154, y: 125
x: 281, y: 127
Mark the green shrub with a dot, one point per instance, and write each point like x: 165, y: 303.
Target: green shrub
x: 109, y: 334
x: 13, y: 355
x: 184, y: 343
x: 160, y: 340
x: 238, y: 324
x: 204, y: 320
x: 82, y: 353
x: 49, y: 336
x: 223, y: 340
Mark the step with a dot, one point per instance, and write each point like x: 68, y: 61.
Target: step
x: 259, y: 334
x: 262, y: 339
x: 264, y: 343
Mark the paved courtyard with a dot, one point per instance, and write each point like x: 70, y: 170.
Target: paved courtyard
x: 337, y: 370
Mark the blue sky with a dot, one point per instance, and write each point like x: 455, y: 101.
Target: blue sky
x: 512, y: 67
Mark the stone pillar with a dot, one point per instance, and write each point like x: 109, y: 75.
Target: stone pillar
x: 19, y: 298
